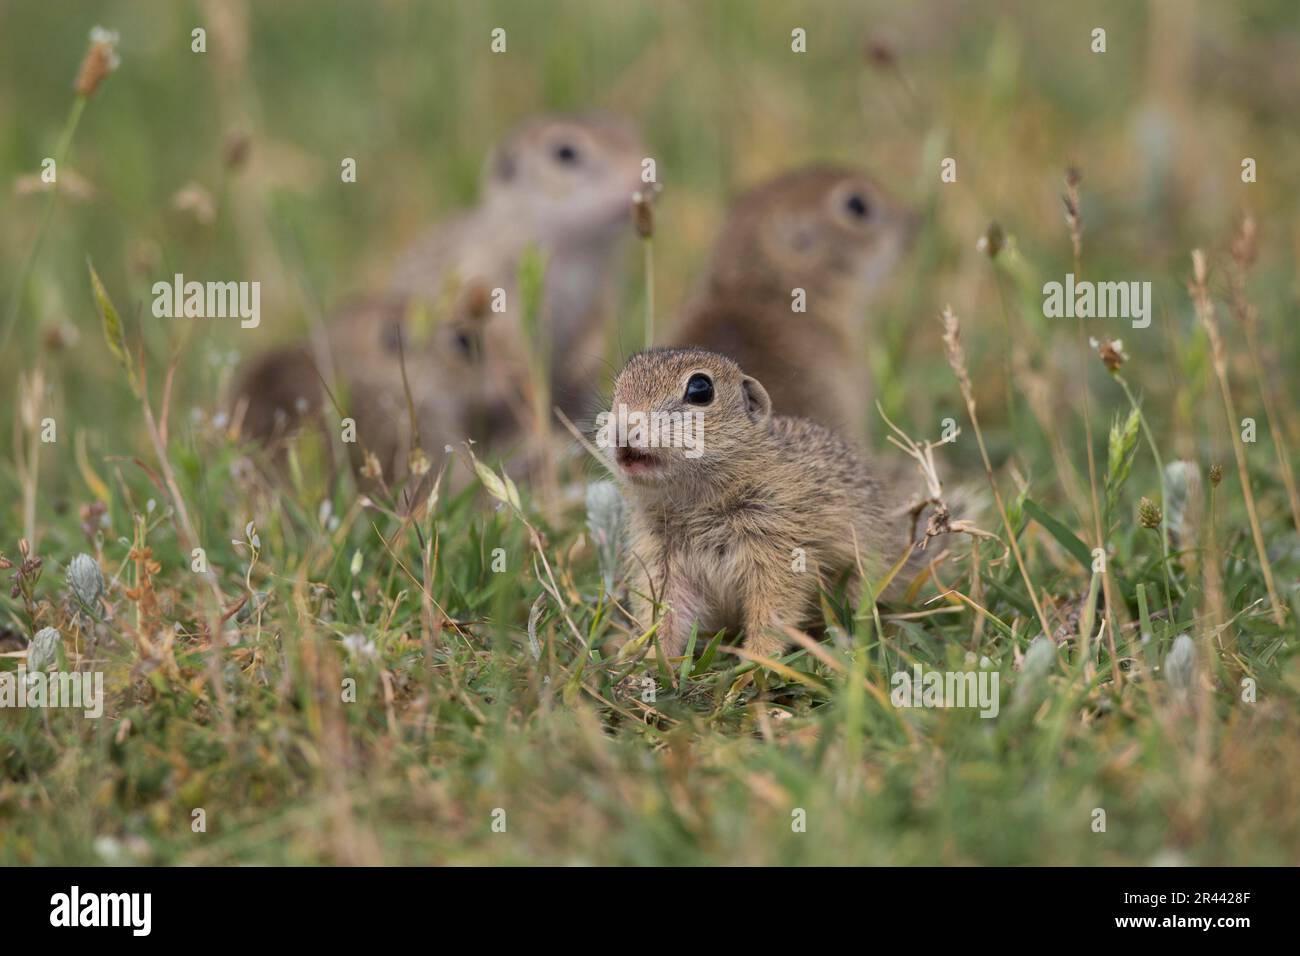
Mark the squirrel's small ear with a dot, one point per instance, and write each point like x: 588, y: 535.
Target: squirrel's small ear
x: 757, y: 403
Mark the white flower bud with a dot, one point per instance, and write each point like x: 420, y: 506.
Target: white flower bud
x: 1180, y: 664
x: 86, y: 581
x: 45, y: 650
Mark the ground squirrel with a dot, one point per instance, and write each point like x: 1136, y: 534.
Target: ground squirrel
x: 452, y: 388
x: 739, y: 525
x: 830, y: 232
x: 563, y: 184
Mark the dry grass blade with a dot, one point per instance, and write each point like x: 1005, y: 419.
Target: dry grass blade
x: 1219, y: 359
x: 957, y: 361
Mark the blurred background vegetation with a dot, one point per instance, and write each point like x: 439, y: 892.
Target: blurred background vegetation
x: 1157, y: 126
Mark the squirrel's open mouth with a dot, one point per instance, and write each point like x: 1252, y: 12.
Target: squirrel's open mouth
x: 637, y: 461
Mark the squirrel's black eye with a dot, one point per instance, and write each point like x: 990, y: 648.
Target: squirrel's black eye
x: 699, y: 389
x: 565, y: 154
x: 857, y: 207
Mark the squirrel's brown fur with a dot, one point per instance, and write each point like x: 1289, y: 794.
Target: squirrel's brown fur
x: 283, y: 389
x: 831, y: 232
x: 743, y: 535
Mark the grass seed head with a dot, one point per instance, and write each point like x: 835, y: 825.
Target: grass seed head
x: 1199, y: 267
x: 234, y: 153
x: 1073, y: 217
x: 1244, y: 247
x: 418, y: 462
x: 644, y: 214
x: 1111, y: 353
x: 1149, y: 514
x: 100, y: 60
x: 956, y: 354
x: 992, y: 241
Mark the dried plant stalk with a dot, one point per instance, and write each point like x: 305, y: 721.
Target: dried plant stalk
x: 1243, y: 257
x: 957, y: 361
x: 1219, y: 358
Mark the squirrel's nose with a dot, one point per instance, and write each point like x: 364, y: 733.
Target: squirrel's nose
x: 638, y: 437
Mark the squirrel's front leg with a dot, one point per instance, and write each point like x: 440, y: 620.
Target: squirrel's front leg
x: 772, y: 602
x: 685, y: 605
x: 671, y: 600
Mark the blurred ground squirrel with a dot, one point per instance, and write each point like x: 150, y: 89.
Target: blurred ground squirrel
x: 561, y: 184
x: 739, y: 525
x: 823, y: 238
x: 451, y: 386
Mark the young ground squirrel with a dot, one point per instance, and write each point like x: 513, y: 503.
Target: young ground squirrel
x: 563, y: 184
x: 739, y: 528
x: 451, y: 382
x: 825, y: 235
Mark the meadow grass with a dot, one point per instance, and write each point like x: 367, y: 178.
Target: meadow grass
x: 482, y: 696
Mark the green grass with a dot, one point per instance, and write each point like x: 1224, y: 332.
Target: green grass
x: 455, y: 715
